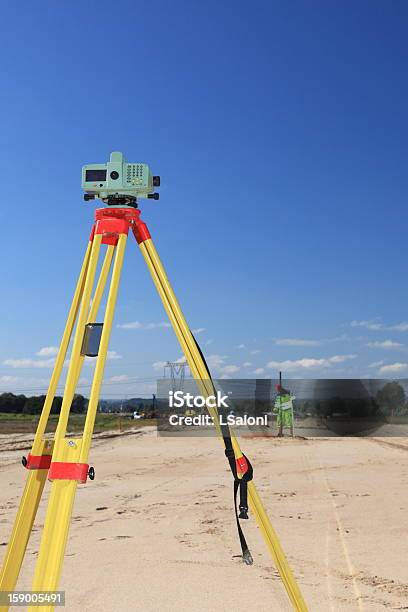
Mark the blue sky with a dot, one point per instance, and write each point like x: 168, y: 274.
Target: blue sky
x: 280, y: 133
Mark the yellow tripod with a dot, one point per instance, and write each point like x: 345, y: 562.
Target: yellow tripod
x: 64, y: 461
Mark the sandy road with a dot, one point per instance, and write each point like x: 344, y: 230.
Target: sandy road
x: 155, y: 530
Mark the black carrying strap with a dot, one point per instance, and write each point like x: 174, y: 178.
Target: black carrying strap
x: 240, y: 483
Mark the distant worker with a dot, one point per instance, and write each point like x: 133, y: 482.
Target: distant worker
x: 284, y: 408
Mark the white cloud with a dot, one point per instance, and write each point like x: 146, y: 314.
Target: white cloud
x: 246, y: 364
x: 215, y: 361
x: 217, y: 364
x: 240, y: 346
x: 198, y: 330
x: 308, y: 362
x: 371, y: 324
x: 374, y: 325
x: 296, y: 342
x: 118, y: 379
x: 131, y: 325
x: 209, y: 341
x: 341, y: 358
x: 30, y: 363
x: 24, y: 384
x: 158, y: 365
x: 375, y: 364
x: 393, y: 368
x: 47, y: 351
x: 403, y: 327
x: 297, y: 364
x: 385, y: 344
x: 154, y: 325
x: 259, y: 371
x: 181, y: 359
x: 255, y: 352
x: 91, y: 361
x: 8, y: 380
x: 342, y: 338
x: 230, y: 369
x: 138, y: 325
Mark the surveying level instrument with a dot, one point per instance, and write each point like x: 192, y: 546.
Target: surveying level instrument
x: 64, y: 461
x: 118, y: 182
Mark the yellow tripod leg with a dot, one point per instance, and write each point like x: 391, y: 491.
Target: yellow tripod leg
x: 62, y: 352
x: 74, y: 451
x: 200, y: 373
x: 22, y: 529
x: 103, y: 350
x: 36, y: 477
x: 62, y: 492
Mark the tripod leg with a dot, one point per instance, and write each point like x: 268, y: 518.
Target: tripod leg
x: 103, y: 350
x: 60, y: 496
x: 200, y: 373
x: 69, y: 465
x: 36, y: 477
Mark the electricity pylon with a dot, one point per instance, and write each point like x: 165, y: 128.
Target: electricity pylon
x: 177, y: 374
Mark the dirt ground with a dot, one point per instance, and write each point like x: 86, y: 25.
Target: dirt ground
x: 156, y: 529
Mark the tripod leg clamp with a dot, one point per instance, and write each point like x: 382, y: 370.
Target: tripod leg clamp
x: 37, y: 462
x: 64, y: 470
x: 140, y: 231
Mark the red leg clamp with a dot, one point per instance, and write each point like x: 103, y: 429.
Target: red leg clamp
x: 37, y: 462
x: 64, y: 470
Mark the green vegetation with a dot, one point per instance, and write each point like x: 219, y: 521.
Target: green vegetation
x: 20, y: 404
x: 27, y: 423
x: 20, y: 414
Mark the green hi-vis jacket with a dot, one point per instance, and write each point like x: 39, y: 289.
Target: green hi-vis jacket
x: 284, y: 402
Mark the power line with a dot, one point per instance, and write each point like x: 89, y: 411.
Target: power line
x: 89, y: 385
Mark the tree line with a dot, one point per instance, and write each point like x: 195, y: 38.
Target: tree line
x: 390, y: 400
x: 22, y: 404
